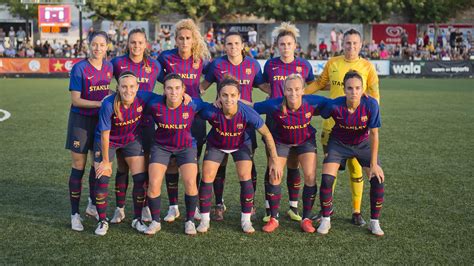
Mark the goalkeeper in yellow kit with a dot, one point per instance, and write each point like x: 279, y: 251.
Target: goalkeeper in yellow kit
x: 333, y: 75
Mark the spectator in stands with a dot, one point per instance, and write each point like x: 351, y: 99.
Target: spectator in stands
x: 47, y: 49
x: 426, y: 38
x: 397, y: 52
x: 20, y: 38
x: 30, y: 52
x: 252, y: 36
x: 156, y: 47
x: 10, y: 51
x: 404, y: 38
x: 220, y: 35
x: 2, y: 37
x: 381, y: 45
x: 452, y: 39
x: 373, y: 46
x: 2, y: 50
x: 384, y: 55
x: 111, y: 32
x: 167, y: 45
x: 419, y: 42
x: 38, y: 48
x: 459, y: 39
x: 11, y: 37
x: 21, y: 52
x: 67, y: 49
x: 313, y: 54
x: 210, y: 35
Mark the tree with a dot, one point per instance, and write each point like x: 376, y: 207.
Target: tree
x: 125, y: 9
x: 200, y: 10
x: 16, y: 8
x: 430, y: 11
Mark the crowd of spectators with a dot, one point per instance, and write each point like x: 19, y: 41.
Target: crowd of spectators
x: 446, y: 45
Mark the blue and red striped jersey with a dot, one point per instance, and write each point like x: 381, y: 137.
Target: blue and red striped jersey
x: 275, y: 73
x: 147, y: 74
x: 173, y: 130
x: 230, y: 134
x: 93, y: 84
x: 123, y: 131
x: 248, y: 73
x: 352, y: 128
x: 292, y: 127
x: 189, y: 71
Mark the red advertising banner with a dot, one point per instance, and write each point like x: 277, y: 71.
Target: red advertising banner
x: 24, y: 65
x: 392, y: 33
x: 54, y: 16
x: 62, y: 65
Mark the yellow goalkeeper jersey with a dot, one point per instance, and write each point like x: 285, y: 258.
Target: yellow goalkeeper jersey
x: 333, y: 75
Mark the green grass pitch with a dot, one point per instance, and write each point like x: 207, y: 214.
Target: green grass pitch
x: 426, y: 151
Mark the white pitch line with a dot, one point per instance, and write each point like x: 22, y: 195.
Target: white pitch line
x: 6, y: 115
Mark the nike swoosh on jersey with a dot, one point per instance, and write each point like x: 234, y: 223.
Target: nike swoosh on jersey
x: 158, y: 114
x: 123, y: 67
x: 222, y: 72
x: 273, y: 68
x: 172, y: 64
x: 91, y: 77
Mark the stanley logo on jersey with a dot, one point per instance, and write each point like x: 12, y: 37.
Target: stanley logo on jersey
x: 307, y: 115
x: 240, y: 126
x: 248, y: 71
x: 364, y: 118
x: 299, y: 69
x: 185, y: 115
x: 139, y: 109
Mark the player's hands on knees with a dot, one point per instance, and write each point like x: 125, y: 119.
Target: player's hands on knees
x: 187, y: 99
x: 105, y: 168
x: 377, y: 172
x: 275, y: 171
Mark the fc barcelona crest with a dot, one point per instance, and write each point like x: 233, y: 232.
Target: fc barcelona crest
x: 185, y: 115
x: 307, y: 115
x: 76, y: 144
x: 240, y: 126
x: 139, y: 109
x: 196, y: 65
x: 248, y: 71
x: 97, y: 154
x: 364, y: 118
x: 299, y: 69
x: 148, y: 69
x: 109, y: 75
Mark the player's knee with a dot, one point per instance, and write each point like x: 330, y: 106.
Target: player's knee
x: 327, y: 181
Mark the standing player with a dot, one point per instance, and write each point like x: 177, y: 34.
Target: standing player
x: 173, y: 138
x: 247, y: 71
x: 189, y: 61
x: 276, y: 71
x: 147, y: 70
x: 228, y: 136
x: 89, y: 84
x: 333, y: 75
x: 291, y: 115
x: 355, y: 135
x: 118, y: 130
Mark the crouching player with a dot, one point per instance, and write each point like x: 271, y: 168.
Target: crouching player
x: 118, y: 130
x: 293, y: 133
x: 355, y: 135
x: 228, y: 136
